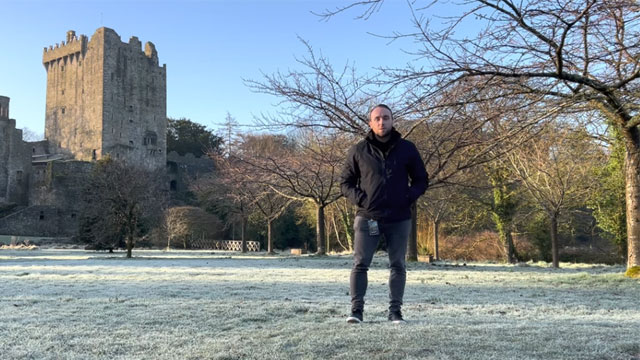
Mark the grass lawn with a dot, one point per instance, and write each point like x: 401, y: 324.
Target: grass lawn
x: 74, y: 304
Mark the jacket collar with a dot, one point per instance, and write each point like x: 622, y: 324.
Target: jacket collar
x: 395, y: 136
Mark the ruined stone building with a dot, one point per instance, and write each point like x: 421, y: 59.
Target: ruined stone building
x: 105, y: 97
x: 14, y: 157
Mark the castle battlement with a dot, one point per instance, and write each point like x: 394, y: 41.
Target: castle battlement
x: 106, y: 96
x: 73, y: 47
x: 4, y: 107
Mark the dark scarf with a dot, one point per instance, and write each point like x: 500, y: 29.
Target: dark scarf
x: 384, y: 146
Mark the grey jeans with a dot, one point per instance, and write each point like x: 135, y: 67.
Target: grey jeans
x: 365, y: 245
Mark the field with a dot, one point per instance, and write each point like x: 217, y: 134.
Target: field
x: 73, y: 304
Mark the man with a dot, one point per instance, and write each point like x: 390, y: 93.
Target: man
x: 383, y: 175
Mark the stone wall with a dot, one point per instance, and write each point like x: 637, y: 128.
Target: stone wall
x: 182, y: 169
x: 55, y: 196
x: 73, y: 121
x: 59, y: 183
x: 39, y: 148
x: 40, y: 220
x: 134, y: 102
x: 5, y: 141
x: 15, y: 159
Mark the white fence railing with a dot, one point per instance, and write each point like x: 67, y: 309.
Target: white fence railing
x: 230, y: 245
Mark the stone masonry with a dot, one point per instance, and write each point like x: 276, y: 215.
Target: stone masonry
x: 105, y: 96
x: 15, y: 159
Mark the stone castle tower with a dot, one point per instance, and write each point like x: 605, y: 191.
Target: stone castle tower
x: 15, y: 159
x: 106, y: 97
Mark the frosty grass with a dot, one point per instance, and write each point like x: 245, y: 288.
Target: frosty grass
x: 74, y: 304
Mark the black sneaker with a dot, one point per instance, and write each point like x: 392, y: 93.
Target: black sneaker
x: 395, y: 316
x: 356, y: 317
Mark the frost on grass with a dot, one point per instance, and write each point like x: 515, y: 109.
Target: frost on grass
x: 198, y: 305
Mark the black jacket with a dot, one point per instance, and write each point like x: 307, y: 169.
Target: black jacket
x: 384, y: 185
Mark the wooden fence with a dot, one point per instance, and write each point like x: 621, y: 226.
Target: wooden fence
x: 230, y: 245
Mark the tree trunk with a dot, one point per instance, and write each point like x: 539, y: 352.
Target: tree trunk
x: 436, y: 237
x: 412, y: 248
x: 554, y: 240
x: 129, y: 243
x: 269, y: 241
x: 244, y: 231
x: 337, y: 231
x: 512, y: 258
x: 320, y: 230
x: 506, y: 239
x: 632, y: 196
x: 348, y: 228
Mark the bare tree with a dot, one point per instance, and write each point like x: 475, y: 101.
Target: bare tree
x: 122, y: 201
x: 271, y: 205
x: 318, y: 96
x: 225, y: 193
x: 578, y: 52
x: 556, y: 168
x: 305, y: 170
x: 341, y: 215
x: 449, y: 128
x: 176, y: 224
x: 188, y: 222
x: 456, y: 137
x: 439, y: 204
x: 30, y: 135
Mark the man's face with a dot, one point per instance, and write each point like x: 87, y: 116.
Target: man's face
x: 380, y: 121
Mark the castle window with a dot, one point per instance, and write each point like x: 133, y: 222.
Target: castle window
x: 41, y: 215
x: 130, y: 108
x: 73, y: 215
x: 173, y: 185
x: 94, y: 155
x: 63, y: 110
x: 34, y: 150
x: 62, y: 91
x: 131, y: 120
x: 62, y: 68
x: 131, y: 142
x: 150, y: 139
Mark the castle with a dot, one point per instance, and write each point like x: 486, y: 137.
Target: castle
x: 105, y: 97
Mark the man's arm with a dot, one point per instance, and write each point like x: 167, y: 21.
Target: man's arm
x: 349, y: 179
x: 418, y: 175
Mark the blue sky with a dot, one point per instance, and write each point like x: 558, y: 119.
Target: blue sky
x: 208, y: 46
